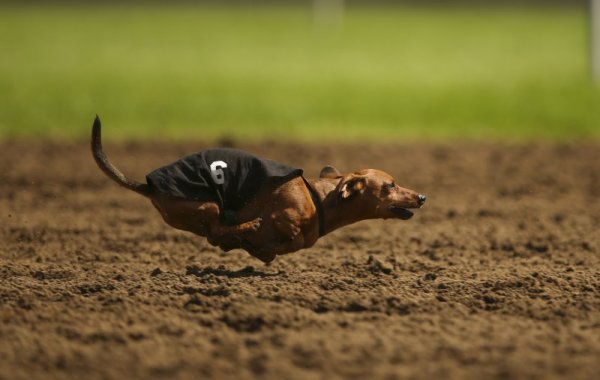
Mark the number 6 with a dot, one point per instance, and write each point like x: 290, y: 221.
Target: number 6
x: 216, y: 172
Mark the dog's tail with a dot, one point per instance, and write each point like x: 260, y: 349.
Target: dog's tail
x: 108, y: 168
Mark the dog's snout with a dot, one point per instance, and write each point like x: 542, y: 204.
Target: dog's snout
x: 422, y: 198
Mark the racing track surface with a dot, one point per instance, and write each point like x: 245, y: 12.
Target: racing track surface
x: 497, y: 277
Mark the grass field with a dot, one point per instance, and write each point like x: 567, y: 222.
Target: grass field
x: 391, y: 73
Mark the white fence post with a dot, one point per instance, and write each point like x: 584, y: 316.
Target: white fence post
x: 594, y: 10
x: 328, y: 12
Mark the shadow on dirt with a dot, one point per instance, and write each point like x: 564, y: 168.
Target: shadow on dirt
x: 221, y: 271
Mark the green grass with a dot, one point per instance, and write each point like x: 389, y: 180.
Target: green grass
x: 384, y: 74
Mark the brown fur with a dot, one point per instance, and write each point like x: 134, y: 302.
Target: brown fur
x: 282, y: 218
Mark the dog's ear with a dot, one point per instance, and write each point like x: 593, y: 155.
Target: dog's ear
x: 353, y: 186
x: 329, y: 172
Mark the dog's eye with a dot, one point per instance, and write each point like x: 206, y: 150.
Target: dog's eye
x: 389, y: 186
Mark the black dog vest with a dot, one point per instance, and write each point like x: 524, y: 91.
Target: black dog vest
x: 229, y: 177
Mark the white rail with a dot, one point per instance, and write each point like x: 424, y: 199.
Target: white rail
x: 328, y: 12
x: 595, y: 39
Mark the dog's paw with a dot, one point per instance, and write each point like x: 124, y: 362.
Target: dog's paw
x: 295, y: 231
x: 254, y: 225
x: 264, y: 255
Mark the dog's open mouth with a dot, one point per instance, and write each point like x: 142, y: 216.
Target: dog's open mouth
x: 402, y: 213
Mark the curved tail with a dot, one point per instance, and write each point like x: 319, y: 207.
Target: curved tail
x: 108, y: 168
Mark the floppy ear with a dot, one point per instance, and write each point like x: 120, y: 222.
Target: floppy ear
x: 329, y: 172
x: 355, y: 185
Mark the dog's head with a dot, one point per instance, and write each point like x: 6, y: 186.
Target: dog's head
x: 374, y: 194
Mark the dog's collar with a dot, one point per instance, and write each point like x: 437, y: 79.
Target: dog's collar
x: 318, y: 205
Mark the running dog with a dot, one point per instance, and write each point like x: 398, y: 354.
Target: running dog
x: 237, y: 200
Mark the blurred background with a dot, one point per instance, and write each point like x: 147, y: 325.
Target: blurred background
x: 317, y: 70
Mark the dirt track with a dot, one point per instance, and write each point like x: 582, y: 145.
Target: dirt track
x: 497, y: 277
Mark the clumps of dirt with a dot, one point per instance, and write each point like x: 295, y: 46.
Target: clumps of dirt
x: 498, y: 276
x: 377, y: 266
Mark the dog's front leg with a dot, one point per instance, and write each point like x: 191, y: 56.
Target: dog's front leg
x: 211, y: 215
x: 287, y: 222
x: 230, y: 237
x: 219, y: 230
x: 268, y: 252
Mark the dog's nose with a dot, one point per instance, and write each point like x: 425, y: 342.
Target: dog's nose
x: 422, y: 198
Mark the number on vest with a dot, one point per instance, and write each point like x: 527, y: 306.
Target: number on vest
x: 216, y: 171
